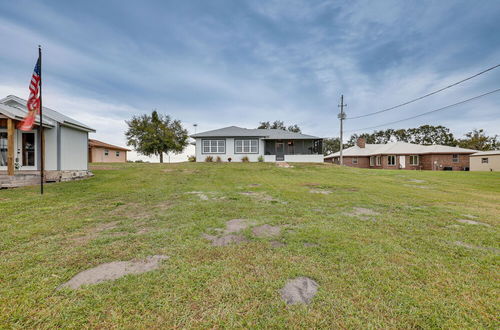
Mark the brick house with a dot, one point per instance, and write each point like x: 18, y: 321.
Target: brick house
x: 101, y: 152
x: 402, y: 155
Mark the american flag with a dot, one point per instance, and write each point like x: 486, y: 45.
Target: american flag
x: 33, y: 104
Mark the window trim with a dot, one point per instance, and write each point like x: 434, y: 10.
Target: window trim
x: 210, y: 147
x: 484, y: 160
x: 243, y: 146
x: 117, y: 153
x: 418, y: 160
x: 354, y: 162
x: 455, y: 160
x: 388, y: 163
x: 372, y: 161
x: 106, y: 152
x: 378, y: 160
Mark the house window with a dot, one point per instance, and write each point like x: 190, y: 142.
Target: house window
x: 3, y: 148
x: 372, y: 161
x: 484, y: 160
x: 414, y: 160
x: 117, y: 154
x: 391, y: 160
x: 247, y: 146
x: 454, y: 158
x: 214, y: 146
x: 355, y: 160
x: 106, y: 152
x: 378, y: 160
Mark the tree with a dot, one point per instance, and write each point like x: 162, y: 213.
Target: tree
x: 478, y: 140
x: 331, y: 146
x: 278, y: 124
x: 156, y: 134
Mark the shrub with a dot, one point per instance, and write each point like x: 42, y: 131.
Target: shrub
x: 209, y: 159
x: 245, y: 159
x: 229, y: 159
x: 192, y: 158
x: 261, y: 159
x: 218, y: 159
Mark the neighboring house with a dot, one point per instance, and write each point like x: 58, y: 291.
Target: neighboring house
x: 64, y: 140
x: 402, y: 155
x: 101, y: 152
x: 485, y: 161
x: 273, y: 145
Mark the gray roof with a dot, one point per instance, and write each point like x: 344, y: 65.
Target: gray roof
x: 271, y: 134
x: 396, y: 148
x: 486, y: 153
x: 15, y: 107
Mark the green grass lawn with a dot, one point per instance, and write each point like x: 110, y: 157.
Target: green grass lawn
x: 411, y: 265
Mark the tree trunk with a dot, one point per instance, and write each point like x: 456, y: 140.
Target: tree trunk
x: 161, y: 157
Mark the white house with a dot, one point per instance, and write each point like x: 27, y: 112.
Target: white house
x: 65, y: 143
x: 273, y: 145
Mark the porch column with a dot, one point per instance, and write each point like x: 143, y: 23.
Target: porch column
x: 10, y: 147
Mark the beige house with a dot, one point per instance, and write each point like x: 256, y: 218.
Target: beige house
x: 485, y: 161
x: 101, y: 152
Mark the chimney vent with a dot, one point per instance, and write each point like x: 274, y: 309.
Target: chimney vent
x: 361, y: 142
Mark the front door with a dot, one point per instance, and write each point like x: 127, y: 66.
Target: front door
x: 402, y: 161
x: 280, y: 151
x: 28, y: 150
x: 3, y: 149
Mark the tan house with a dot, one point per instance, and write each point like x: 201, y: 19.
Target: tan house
x: 402, y: 155
x: 485, y: 161
x: 101, y: 152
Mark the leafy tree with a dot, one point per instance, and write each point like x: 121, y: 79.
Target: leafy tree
x: 331, y: 145
x: 478, y: 140
x: 426, y: 135
x: 156, y: 134
x: 278, y: 124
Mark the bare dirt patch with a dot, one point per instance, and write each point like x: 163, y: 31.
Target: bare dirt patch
x: 232, y: 226
x: 113, y: 270
x: 226, y: 239
x: 416, y: 181
x: 300, y: 290
x: 205, y: 196
x: 254, y: 185
x: 277, y: 244
x: 320, y: 191
x: 260, y: 196
x: 473, y: 222
x: 266, y: 231
x: 283, y: 165
x: 308, y: 244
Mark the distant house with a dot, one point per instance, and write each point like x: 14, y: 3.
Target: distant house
x: 273, y: 145
x: 485, y: 161
x: 64, y: 140
x: 401, y: 155
x: 101, y: 152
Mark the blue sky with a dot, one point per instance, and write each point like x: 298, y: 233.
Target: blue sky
x: 219, y: 63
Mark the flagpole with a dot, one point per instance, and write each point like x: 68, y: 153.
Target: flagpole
x: 40, y: 128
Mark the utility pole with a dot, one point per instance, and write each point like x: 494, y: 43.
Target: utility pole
x: 342, y: 118
x: 195, y: 126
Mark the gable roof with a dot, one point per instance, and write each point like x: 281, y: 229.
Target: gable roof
x: 273, y: 134
x: 100, y: 144
x: 15, y: 107
x: 396, y: 148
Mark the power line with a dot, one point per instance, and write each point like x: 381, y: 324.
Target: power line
x: 426, y: 95
x: 428, y: 112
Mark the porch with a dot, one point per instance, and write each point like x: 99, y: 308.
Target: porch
x: 294, y: 150
x: 19, y: 150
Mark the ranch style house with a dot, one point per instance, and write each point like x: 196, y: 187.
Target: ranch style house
x: 270, y: 145
x: 402, y: 155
